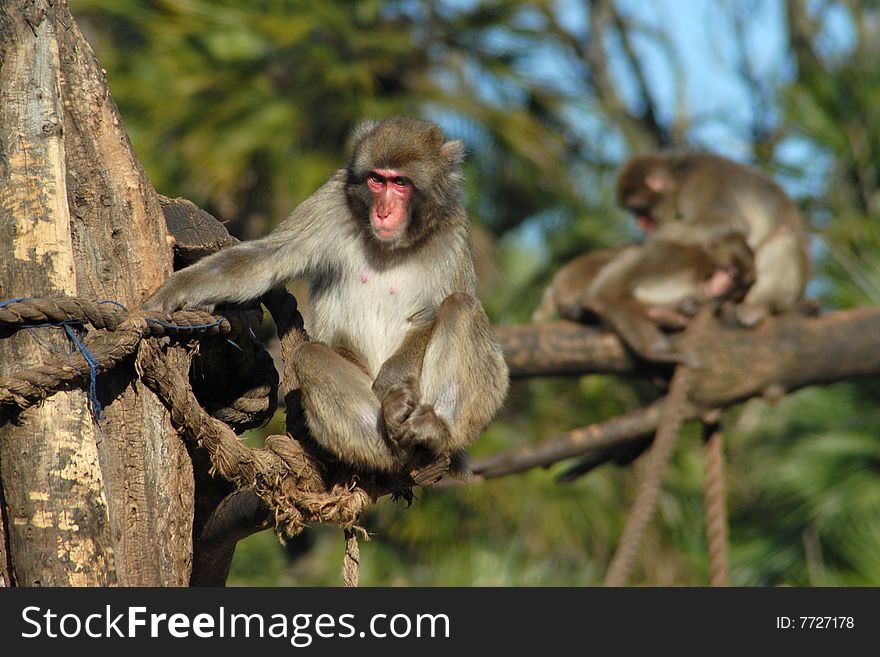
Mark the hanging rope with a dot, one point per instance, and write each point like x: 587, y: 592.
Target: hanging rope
x: 646, y: 496
x: 716, y: 512
x: 351, y: 563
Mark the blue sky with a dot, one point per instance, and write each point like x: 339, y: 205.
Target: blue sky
x: 707, y: 52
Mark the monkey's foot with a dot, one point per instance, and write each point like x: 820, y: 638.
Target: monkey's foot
x: 671, y: 318
x: 425, y: 474
x: 397, y: 405
x: 749, y: 316
x: 423, y: 427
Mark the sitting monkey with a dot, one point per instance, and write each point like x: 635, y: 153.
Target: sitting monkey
x: 404, y: 363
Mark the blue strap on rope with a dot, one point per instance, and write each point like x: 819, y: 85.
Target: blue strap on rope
x: 90, y: 359
x: 178, y: 327
x: 68, y: 326
x: 93, y: 369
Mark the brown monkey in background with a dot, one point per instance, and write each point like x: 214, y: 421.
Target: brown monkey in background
x: 403, y: 360
x: 694, y: 198
x: 639, y: 288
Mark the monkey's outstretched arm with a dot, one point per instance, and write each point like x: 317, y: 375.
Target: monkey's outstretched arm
x: 247, y: 270
x: 236, y: 274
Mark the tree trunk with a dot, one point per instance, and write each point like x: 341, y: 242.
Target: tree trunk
x: 84, y: 502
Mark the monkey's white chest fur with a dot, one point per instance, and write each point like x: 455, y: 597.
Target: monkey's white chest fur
x: 370, y: 309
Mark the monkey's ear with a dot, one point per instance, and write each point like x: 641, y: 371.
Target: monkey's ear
x: 453, y: 151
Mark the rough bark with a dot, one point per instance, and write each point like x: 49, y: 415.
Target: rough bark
x: 192, y: 232
x: 560, y: 348
x: 629, y: 426
x: 782, y: 354
x: 86, y: 502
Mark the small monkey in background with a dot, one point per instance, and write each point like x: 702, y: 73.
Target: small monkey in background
x: 694, y: 198
x: 639, y: 288
x: 403, y: 362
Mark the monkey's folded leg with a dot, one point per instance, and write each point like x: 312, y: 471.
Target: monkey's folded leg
x: 342, y: 412
x: 781, y: 270
x: 464, y: 378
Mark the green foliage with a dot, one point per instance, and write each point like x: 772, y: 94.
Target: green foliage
x: 809, y: 507
x: 246, y: 107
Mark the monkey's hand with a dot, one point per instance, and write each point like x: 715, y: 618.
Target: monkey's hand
x: 166, y: 300
x: 719, y: 283
x: 397, y: 405
x: 157, y: 302
x: 179, y: 291
x: 418, y: 433
x: 425, y: 428
x: 426, y: 436
x: 661, y: 350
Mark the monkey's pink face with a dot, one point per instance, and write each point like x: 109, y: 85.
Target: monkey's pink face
x: 390, y: 191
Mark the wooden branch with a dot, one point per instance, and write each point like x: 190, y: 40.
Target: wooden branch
x: 783, y: 354
x: 642, y: 130
x: 787, y: 352
x: 237, y: 516
x: 802, y: 31
x: 560, y: 348
x: 629, y: 426
x: 193, y: 232
x: 648, y: 116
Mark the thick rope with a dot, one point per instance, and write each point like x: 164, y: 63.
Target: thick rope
x: 104, y: 350
x: 31, y: 312
x: 244, y: 400
x: 352, y: 560
x: 716, y: 512
x: 646, y: 496
x: 28, y: 387
x: 34, y: 311
x: 283, y: 474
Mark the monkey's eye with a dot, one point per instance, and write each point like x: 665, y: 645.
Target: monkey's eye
x: 400, y: 181
x: 375, y: 178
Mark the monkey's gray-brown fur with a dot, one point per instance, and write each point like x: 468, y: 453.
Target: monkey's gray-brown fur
x: 403, y: 359
x: 638, y: 288
x: 693, y: 198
